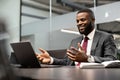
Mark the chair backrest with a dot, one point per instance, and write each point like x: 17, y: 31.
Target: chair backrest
x: 118, y: 54
x: 60, y: 54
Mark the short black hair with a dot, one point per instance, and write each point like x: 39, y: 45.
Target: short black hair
x: 89, y: 11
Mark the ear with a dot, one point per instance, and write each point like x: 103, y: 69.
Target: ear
x: 93, y: 20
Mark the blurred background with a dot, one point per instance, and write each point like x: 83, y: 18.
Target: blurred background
x: 51, y: 24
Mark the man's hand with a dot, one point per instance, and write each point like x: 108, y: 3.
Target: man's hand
x: 44, y: 56
x: 78, y: 55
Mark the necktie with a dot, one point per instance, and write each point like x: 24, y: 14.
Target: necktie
x: 84, y: 46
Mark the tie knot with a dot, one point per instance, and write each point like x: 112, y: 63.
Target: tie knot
x: 86, y: 38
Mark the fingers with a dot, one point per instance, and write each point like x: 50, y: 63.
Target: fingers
x: 71, y: 55
x: 74, y: 49
x: 76, y: 54
x: 39, y: 57
x: 42, y: 50
x: 71, y: 58
x: 79, y: 47
x: 36, y: 54
x: 70, y: 51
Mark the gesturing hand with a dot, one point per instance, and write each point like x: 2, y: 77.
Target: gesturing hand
x: 44, y: 56
x: 78, y: 55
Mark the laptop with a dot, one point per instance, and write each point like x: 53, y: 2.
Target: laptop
x: 26, y: 57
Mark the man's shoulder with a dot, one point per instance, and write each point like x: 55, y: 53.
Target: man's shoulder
x: 77, y: 38
x: 103, y: 33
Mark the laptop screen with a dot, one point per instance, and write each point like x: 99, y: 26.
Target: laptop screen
x: 25, y: 55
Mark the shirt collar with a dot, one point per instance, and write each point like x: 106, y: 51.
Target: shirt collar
x: 91, y: 34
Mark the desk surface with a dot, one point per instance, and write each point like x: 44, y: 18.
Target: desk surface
x: 69, y: 73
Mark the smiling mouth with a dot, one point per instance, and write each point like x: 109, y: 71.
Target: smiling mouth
x: 82, y: 28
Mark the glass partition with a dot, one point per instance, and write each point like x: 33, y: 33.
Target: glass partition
x: 51, y: 24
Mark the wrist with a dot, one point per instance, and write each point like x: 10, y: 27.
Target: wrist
x: 51, y: 60
x: 90, y: 59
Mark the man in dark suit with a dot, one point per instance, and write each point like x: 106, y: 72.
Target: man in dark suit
x: 100, y: 45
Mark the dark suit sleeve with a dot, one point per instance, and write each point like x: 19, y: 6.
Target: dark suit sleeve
x: 60, y: 61
x: 66, y: 60
x: 106, y: 49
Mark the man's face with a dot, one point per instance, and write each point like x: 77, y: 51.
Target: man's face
x: 84, y: 23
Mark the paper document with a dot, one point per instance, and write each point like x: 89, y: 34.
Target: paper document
x: 106, y: 64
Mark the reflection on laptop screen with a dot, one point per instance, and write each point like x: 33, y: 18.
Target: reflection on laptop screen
x: 25, y: 55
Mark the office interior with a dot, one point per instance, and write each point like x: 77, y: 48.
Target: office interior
x: 51, y: 24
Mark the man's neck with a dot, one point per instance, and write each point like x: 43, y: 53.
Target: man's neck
x: 91, y: 34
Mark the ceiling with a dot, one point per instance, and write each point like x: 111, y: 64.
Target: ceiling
x: 65, y: 6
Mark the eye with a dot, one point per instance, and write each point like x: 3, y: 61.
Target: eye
x: 77, y: 21
x: 83, y: 19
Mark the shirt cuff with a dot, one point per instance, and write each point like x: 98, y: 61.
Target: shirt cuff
x: 91, y: 59
x: 51, y: 60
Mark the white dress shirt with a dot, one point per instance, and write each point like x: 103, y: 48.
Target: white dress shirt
x: 90, y: 40
x: 89, y: 45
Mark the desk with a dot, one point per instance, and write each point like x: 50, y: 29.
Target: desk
x: 69, y: 73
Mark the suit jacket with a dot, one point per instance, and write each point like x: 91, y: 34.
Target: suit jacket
x: 103, y: 48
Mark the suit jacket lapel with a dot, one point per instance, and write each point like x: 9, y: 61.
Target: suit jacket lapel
x: 79, y: 40
x: 95, y: 41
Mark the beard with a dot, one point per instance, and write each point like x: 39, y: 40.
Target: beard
x: 87, y: 29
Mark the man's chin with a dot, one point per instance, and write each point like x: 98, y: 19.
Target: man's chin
x: 81, y: 32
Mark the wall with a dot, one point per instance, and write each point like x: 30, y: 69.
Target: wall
x: 46, y: 39
x: 50, y: 37
x: 30, y: 14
